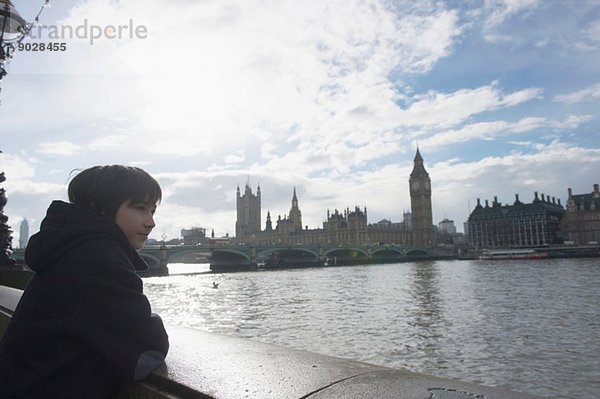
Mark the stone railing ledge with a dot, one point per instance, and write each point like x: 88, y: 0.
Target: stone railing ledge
x: 218, y: 366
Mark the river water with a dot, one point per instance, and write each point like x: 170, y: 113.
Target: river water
x: 531, y: 326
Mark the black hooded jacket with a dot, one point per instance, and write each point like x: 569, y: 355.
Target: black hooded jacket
x: 83, y: 327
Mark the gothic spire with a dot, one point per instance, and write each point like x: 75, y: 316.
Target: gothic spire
x: 418, y: 157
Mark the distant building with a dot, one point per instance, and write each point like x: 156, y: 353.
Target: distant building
x: 516, y: 225
x: 24, y: 234
x: 447, y: 226
x: 446, y: 232
x: 387, y: 232
x: 248, y: 212
x: 349, y: 227
x: 194, y: 236
x: 581, y: 223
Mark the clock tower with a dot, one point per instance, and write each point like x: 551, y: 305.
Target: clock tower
x: 420, y: 203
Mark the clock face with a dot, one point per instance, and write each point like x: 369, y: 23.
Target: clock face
x: 415, y: 185
x: 427, y: 185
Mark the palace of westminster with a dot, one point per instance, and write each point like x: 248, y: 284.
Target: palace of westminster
x: 347, y: 228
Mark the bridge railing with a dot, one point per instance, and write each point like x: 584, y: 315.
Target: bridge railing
x: 206, y: 365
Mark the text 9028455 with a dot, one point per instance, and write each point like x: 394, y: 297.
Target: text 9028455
x: 50, y: 46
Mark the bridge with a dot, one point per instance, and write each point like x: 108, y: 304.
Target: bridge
x: 250, y: 257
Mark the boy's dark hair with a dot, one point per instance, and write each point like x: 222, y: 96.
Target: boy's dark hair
x: 105, y: 188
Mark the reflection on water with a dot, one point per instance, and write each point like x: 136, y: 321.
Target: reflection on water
x: 530, y: 326
x: 426, y: 321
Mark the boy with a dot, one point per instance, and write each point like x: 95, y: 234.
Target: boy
x: 84, y: 328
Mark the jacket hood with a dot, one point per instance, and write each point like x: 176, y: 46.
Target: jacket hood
x: 66, y: 226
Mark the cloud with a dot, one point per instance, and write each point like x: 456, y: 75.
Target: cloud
x: 498, y: 129
x: 108, y: 142
x: 59, y: 148
x: 16, y: 167
x: 443, y: 109
x: 587, y: 94
x: 592, y: 31
x: 498, y: 11
x: 238, y: 73
x: 232, y: 159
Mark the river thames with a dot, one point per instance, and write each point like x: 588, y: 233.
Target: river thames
x: 530, y: 326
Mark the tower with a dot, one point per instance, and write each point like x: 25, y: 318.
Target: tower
x: 420, y: 203
x: 269, y: 225
x: 295, y: 214
x: 248, y: 212
x: 23, y: 234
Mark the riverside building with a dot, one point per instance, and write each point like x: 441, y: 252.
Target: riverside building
x: 517, y: 225
x: 581, y: 223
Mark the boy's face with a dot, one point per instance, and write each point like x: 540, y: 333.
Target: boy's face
x: 137, y: 221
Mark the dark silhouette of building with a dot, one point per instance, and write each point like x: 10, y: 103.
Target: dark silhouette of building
x: 420, y: 204
x: 349, y: 227
x: 248, y: 212
x: 517, y: 225
x: 581, y: 223
x: 295, y: 214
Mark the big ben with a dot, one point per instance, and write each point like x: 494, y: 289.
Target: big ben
x: 420, y: 203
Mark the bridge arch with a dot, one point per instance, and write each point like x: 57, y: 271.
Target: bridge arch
x: 176, y: 254
x: 230, y: 256
x: 387, y: 254
x: 346, y: 255
x: 416, y: 253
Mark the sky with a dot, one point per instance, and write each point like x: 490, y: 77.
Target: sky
x: 330, y: 97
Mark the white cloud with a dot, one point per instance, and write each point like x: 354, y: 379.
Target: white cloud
x: 237, y: 73
x: 230, y: 159
x: 498, y: 129
x: 587, y: 94
x: 59, y: 148
x: 592, y: 31
x: 498, y: 11
x: 16, y: 167
x: 111, y: 141
x: 443, y: 110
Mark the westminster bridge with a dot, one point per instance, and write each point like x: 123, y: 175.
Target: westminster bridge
x: 251, y: 257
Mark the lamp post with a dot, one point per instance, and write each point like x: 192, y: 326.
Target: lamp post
x: 13, y: 29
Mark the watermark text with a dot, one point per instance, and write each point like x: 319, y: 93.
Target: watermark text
x: 90, y: 32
